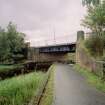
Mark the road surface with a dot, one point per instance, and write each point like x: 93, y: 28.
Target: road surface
x: 71, y: 88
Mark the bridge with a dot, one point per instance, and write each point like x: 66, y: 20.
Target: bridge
x: 51, y: 53
x: 63, y: 48
x: 46, y: 55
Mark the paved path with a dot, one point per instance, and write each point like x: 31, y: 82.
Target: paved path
x: 72, y: 89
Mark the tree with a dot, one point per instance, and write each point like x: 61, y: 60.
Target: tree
x: 91, y: 2
x: 16, y: 41
x: 95, y: 21
x: 4, y: 46
x: 11, y: 43
x: 95, y: 45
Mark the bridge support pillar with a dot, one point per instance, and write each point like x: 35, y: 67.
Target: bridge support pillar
x: 80, y: 37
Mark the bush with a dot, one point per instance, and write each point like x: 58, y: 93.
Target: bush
x: 95, y: 45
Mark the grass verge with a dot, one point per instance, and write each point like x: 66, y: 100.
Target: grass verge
x: 19, y: 90
x: 91, y: 78
x: 47, y: 98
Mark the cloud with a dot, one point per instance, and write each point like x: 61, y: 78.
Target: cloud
x: 39, y: 19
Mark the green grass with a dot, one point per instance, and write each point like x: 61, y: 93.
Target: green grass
x: 6, y: 68
x: 47, y: 98
x: 19, y: 90
x: 91, y: 78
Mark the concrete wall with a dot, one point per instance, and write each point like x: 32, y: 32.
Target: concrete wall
x: 47, y: 57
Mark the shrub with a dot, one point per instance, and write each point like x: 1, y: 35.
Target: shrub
x: 95, y: 45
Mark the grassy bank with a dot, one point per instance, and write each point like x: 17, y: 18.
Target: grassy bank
x: 91, y: 78
x: 19, y: 90
x: 7, y: 68
x: 47, y: 98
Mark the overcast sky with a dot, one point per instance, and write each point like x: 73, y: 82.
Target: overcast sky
x: 40, y: 19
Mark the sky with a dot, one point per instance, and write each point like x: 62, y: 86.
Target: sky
x: 45, y: 22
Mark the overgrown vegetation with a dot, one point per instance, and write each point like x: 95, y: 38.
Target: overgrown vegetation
x: 95, y: 46
x: 91, y: 78
x: 11, y: 44
x: 19, y: 90
x: 71, y: 57
x: 95, y: 21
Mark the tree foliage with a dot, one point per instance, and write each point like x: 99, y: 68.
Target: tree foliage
x: 95, y: 45
x: 11, y: 43
x: 95, y: 18
x: 91, y: 2
x: 95, y: 21
x: 4, y: 46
